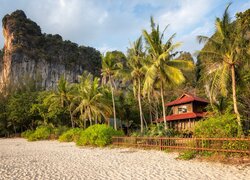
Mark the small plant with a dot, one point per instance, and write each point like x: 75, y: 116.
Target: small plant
x: 206, y: 153
x: 187, y: 155
x: 27, y: 133
x: 97, y: 135
x: 168, y: 150
x: 71, y: 135
x: 159, y: 130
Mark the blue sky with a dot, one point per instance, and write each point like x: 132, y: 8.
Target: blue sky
x: 113, y: 24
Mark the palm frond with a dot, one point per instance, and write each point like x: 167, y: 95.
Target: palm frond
x: 173, y: 75
x: 150, y: 42
x: 181, y: 64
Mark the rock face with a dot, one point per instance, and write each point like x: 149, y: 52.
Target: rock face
x: 28, y: 55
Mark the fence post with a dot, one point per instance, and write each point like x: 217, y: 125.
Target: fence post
x: 161, y: 143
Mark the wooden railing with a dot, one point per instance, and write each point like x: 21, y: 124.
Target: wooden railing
x: 231, y: 145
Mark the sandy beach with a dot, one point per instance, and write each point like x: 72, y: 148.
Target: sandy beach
x: 20, y: 159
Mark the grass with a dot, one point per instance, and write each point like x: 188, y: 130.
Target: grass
x: 187, y: 155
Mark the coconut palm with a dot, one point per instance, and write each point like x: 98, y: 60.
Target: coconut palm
x: 163, y: 71
x: 136, y: 72
x: 90, y: 99
x: 225, y: 54
x: 62, y: 92
x: 62, y: 97
x: 110, y: 68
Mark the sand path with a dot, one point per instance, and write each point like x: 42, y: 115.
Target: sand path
x: 20, y: 159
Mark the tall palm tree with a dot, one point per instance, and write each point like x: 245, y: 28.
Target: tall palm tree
x: 62, y: 97
x: 110, y: 67
x: 61, y: 94
x: 90, y: 100
x: 136, y: 72
x: 163, y: 70
x: 225, y: 54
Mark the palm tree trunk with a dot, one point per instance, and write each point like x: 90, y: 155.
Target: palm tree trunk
x: 84, y: 123
x: 163, y: 106
x: 113, y: 100
x: 71, y: 119
x: 95, y: 119
x: 150, y: 110
x: 156, y: 111
x: 235, y: 100
x: 90, y: 118
x: 139, y: 102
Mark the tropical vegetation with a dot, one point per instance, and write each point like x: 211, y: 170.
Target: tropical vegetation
x: 132, y: 90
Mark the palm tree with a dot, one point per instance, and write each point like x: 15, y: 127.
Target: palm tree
x: 90, y: 100
x: 110, y: 67
x: 62, y: 97
x: 225, y: 54
x: 136, y: 72
x: 163, y: 70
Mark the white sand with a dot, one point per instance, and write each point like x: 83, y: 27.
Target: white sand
x: 20, y: 159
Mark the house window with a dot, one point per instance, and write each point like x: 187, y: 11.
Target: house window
x: 182, y: 109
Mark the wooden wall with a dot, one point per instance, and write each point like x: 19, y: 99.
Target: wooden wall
x: 181, y: 125
x: 188, y: 105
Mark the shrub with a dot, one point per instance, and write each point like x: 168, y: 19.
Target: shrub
x: 187, y: 155
x: 59, y: 131
x: 159, y: 130
x: 97, y: 135
x: 70, y: 135
x: 236, y: 145
x: 217, y: 126
x: 41, y: 133
x: 27, y: 133
x: 138, y: 134
x: 206, y: 153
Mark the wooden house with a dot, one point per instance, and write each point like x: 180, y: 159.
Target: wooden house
x: 185, y: 111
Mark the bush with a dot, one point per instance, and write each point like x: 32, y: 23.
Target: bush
x: 41, y: 133
x: 97, y: 135
x: 27, y: 133
x: 187, y: 155
x: 59, y: 131
x: 236, y: 145
x: 70, y: 135
x: 159, y: 130
x: 217, y: 126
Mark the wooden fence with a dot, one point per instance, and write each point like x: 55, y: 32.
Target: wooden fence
x: 231, y: 145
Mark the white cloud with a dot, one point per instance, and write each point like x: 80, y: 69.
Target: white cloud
x: 189, y: 40
x: 187, y: 14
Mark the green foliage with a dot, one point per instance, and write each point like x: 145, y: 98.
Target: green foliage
x: 26, y: 134
x: 91, y: 100
x: 236, y: 145
x: 187, y: 155
x: 71, y: 135
x: 18, y: 109
x: 151, y: 63
x: 58, y: 131
x: 41, y: 133
x: 97, y: 135
x: 159, y: 130
x: 217, y: 126
x: 136, y: 134
x: 206, y: 153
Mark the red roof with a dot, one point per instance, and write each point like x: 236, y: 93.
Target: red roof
x: 186, y: 98
x: 182, y: 116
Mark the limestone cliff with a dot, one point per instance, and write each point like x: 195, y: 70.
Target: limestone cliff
x: 43, y: 58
